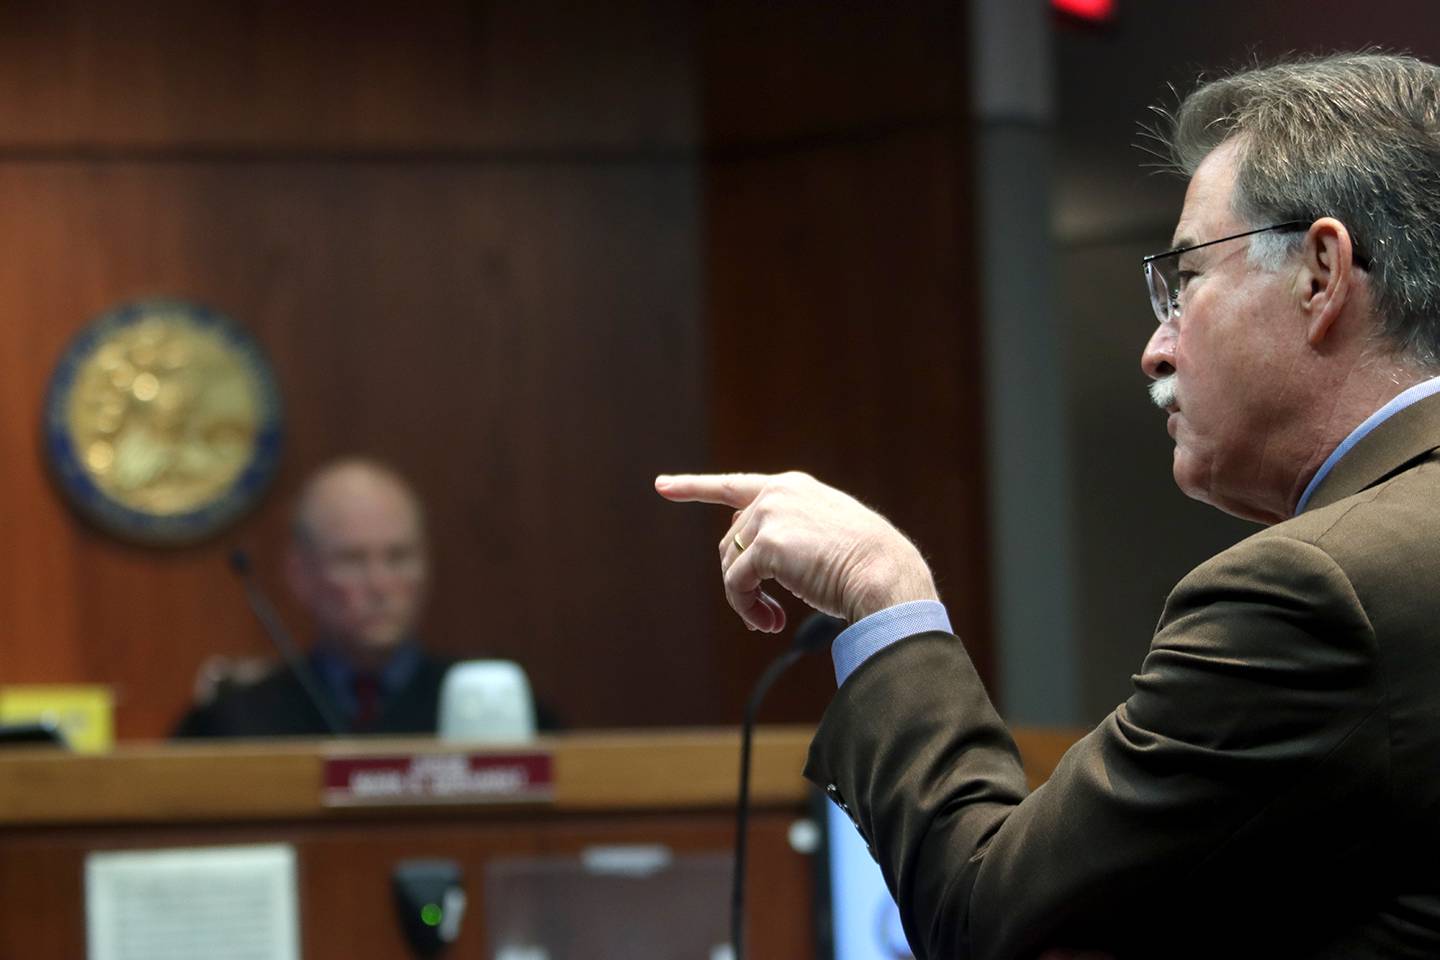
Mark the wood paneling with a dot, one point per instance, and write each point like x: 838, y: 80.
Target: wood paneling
x: 274, y: 77
x: 840, y: 283
x: 345, y: 897
x: 530, y: 253
x: 517, y: 331
x: 613, y: 772
x: 500, y: 334
x: 791, y: 74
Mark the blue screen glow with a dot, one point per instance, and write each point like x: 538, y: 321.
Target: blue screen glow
x: 866, y: 920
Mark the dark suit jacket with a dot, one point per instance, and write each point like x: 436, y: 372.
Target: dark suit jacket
x: 277, y: 706
x: 1271, y: 788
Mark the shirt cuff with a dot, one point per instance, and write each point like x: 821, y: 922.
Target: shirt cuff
x: 864, y: 638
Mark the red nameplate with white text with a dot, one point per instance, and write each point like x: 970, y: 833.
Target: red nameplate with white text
x: 400, y: 779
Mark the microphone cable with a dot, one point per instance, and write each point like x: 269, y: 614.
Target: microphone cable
x: 274, y: 629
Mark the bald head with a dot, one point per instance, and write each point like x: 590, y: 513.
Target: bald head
x: 358, y: 561
x: 348, y: 486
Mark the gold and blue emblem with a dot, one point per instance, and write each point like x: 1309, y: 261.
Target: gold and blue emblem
x: 163, y: 422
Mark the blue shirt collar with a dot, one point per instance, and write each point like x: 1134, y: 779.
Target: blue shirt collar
x: 1401, y: 400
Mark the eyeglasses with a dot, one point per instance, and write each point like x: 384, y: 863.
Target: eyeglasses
x: 1165, y: 280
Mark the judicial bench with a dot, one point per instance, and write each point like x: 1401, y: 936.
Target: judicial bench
x: 604, y: 791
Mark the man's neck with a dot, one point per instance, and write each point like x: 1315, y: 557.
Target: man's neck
x: 1370, y: 385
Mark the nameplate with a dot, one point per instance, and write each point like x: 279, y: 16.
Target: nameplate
x: 402, y: 779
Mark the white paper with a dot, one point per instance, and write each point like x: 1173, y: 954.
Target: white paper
x: 220, y: 903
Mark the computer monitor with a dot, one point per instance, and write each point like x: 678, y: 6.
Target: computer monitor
x: 856, y: 918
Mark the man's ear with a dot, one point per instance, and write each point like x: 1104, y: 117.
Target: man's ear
x: 1326, y: 281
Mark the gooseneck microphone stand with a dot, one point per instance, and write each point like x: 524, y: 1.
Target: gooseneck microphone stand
x: 816, y: 632
x: 265, y: 612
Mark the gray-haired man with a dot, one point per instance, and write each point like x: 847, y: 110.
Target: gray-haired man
x: 1271, y: 787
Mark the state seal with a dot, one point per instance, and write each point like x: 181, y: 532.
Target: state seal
x: 163, y: 422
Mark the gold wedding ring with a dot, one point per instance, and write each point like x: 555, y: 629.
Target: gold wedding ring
x: 739, y: 544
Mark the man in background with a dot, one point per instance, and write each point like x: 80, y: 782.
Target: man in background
x: 359, y: 565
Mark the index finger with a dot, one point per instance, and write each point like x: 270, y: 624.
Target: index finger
x: 731, y: 489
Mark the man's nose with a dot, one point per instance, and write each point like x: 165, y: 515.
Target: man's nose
x: 1158, y: 357
x: 379, y: 574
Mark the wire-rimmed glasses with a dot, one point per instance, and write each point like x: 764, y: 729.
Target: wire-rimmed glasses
x: 1162, y: 270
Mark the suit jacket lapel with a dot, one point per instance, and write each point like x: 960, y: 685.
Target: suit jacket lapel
x: 1393, y: 445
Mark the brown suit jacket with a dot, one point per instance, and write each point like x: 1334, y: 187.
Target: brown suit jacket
x: 1271, y: 788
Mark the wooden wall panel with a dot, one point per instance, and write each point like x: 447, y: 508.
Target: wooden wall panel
x: 347, y: 910
x: 786, y: 74
x: 272, y: 77
x: 463, y: 235
x: 501, y: 334
x: 532, y: 253
x: 842, y: 314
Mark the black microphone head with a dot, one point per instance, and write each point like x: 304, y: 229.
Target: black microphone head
x: 240, y: 562
x: 817, y: 632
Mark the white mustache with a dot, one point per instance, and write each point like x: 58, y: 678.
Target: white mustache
x: 1162, y: 392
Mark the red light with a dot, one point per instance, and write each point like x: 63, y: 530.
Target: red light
x: 1096, y: 10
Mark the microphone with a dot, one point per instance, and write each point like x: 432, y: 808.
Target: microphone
x: 270, y: 620
x: 816, y: 633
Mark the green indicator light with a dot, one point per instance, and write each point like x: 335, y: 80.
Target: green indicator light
x: 430, y: 914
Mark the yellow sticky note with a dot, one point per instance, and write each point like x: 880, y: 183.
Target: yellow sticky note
x: 85, y: 714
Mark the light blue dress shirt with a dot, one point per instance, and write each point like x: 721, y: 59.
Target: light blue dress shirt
x: 1402, y: 400
x: 864, y: 638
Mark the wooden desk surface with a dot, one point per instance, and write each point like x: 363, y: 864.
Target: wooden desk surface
x: 249, y: 780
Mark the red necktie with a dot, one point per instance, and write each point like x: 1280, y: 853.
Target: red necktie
x: 367, y: 700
